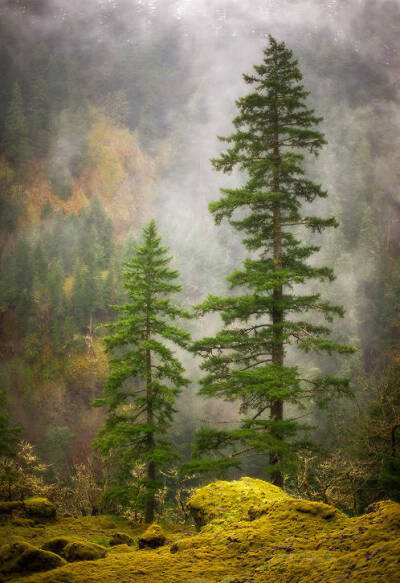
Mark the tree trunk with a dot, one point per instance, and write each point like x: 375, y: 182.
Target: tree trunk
x: 151, y: 467
x: 276, y: 407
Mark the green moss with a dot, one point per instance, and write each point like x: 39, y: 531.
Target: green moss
x: 57, y: 545
x: 153, y: 537
x: 106, y: 522
x: 27, y: 512
x: 33, y: 560
x: 86, y: 528
x: 40, y: 508
x: 10, y: 507
x: 24, y: 558
x: 275, y: 538
x: 25, y: 522
x: 231, y: 501
x: 12, y: 551
x: 83, y: 551
x: 121, y: 538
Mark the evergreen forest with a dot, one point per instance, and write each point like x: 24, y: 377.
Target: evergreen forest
x: 199, y: 291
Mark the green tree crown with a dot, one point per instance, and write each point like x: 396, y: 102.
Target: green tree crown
x: 245, y: 361
x: 145, y: 374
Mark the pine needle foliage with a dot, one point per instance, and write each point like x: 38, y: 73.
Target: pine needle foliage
x: 245, y: 361
x: 145, y: 375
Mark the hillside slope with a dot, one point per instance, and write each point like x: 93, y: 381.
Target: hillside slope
x: 60, y: 267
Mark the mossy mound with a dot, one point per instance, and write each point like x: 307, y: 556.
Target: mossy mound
x: 86, y: 528
x: 9, y: 552
x: 224, y: 502
x: 106, y: 522
x: 38, y: 509
x: 20, y: 557
x: 57, y: 545
x: 121, y: 538
x: 152, y: 538
x: 24, y: 522
x: 275, y: 539
x: 83, y: 551
x: 10, y: 507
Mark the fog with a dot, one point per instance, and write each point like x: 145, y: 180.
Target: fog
x: 349, y: 53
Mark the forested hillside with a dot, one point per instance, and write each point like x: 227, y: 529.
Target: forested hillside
x: 109, y: 115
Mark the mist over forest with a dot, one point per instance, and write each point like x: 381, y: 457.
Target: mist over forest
x: 111, y: 114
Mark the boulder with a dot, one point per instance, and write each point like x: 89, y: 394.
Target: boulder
x: 10, y: 507
x: 83, y: 551
x: 228, y: 502
x: 57, y: 544
x: 40, y: 509
x: 121, y: 538
x: 152, y: 538
x: 12, y: 550
x: 74, y: 550
x: 22, y: 557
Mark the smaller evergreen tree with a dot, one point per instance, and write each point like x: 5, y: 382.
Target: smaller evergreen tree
x: 145, y: 375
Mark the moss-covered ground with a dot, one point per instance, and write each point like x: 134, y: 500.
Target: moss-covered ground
x: 250, y: 532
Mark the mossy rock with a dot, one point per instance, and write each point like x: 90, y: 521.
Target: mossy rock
x: 290, y: 508
x: 10, y: 507
x: 12, y: 550
x: 230, y: 501
x: 34, y: 560
x: 57, y: 545
x: 83, y: 551
x: 121, y: 538
x: 20, y: 557
x: 21, y: 521
x: 281, y: 539
x: 152, y: 538
x: 40, y: 509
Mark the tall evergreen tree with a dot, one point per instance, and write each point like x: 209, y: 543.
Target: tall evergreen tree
x: 145, y: 375
x: 245, y: 361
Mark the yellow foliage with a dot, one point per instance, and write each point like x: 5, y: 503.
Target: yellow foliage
x: 6, y: 172
x: 89, y: 365
x: 118, y: 172
x: 69, y: 286
x: 76, y: 202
